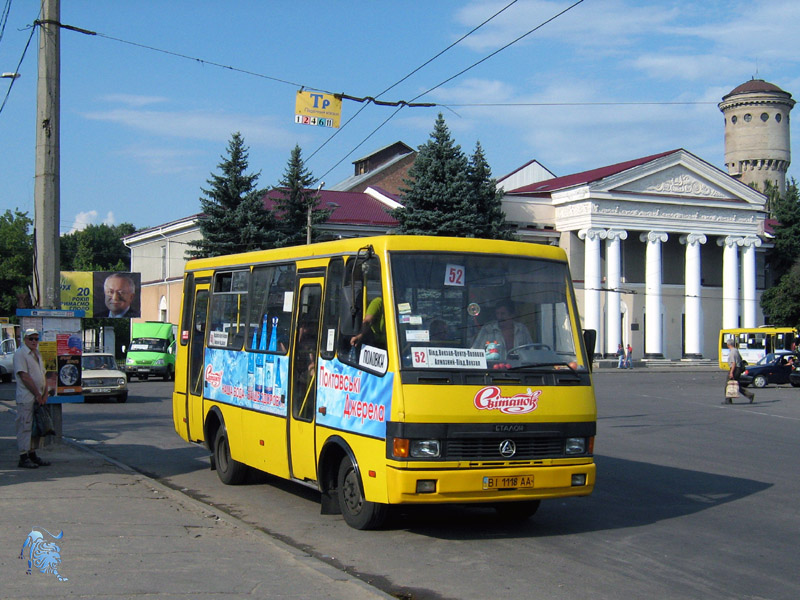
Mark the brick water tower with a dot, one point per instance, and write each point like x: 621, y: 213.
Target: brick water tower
x: 757, y: 146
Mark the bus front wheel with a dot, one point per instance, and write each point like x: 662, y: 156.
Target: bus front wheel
x: 230, y: 471
x: 357, y: 512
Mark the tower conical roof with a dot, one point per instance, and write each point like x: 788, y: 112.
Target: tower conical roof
x: 755, y: 86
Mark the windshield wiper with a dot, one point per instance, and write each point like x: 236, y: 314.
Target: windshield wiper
x: 544, y: 364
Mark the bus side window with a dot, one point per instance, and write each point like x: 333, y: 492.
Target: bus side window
x: 229, y: 310
x: 332, y: 309
x: 361, y: 315
x: 269, y: 322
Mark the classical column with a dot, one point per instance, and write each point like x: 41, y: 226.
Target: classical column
x: 591, y: 276
x: 613, y: 276
x: 750, y: 243
x: 730, y: 280
x: 693, y: 310
x: 652, y: 302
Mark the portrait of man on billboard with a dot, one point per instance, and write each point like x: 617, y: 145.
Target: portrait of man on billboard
x: 115, y: 295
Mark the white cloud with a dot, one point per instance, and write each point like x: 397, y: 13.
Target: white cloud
x: 82, y: 221
x: 198, y: 125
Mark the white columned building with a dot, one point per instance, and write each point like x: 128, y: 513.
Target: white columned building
x: 730, y: 280
x: 652, y: 291
x: 693, y: 311
x: 674, y: 226
x: 613, y: 281
x: 593, y: 275
x: 749, y: 305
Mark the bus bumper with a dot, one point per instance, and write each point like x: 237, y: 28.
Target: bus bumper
x: 489, y: 484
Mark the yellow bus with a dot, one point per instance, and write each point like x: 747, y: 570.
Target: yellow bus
x: 391, y: 370
x: 755, y: 342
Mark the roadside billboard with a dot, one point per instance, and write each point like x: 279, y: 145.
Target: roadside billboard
x: 102, y: 294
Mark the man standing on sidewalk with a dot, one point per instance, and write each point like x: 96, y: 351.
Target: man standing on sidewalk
x: 31, y: 388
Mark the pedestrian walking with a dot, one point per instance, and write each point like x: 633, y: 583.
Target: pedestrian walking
x: 735, y: 368
x: 31, y: 388
x: 629, y: 356
x: 620, y: 357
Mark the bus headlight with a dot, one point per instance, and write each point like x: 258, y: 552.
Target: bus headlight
x: 158, y: 362
x: 425, y: 449
x: 575, y: 445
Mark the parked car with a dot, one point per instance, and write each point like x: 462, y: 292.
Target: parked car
x: 101, y: 378
x: 775, y: 367
x: 7, y: 349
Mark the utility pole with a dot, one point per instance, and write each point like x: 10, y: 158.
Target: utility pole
x: 47, y: 183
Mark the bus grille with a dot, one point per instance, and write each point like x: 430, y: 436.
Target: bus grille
x: 489, y: 448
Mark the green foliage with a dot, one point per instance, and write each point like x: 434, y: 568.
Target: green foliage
x: 96, y: 248
x: 234, y: 219
x: 295, y: 199
x: 436, y: 201
x: 786, y: 210
x: 781, y: 303
x: 16, y: 261
x: 486, y: 201
x: 450, y: 195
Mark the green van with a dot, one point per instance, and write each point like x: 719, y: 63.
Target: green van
x: 152, y: 351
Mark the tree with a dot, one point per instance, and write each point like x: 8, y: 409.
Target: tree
x: 96, y: 248
x: 448, y: 194
x: 16, y: 261
x: 294, y: 201
x: 234, y: 218
x: 486, y: 200
x: 785, y: 209
x: 781, y: 302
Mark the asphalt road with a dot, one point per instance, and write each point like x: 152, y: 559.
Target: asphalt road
x: 693, y: 500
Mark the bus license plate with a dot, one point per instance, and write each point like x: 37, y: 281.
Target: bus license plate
x: 506, y: 482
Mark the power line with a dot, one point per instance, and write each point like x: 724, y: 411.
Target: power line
x: 484, y: 59
x: 398, y: 82
x: 19, y: 64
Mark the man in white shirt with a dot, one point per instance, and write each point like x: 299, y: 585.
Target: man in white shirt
x: 31, y: 388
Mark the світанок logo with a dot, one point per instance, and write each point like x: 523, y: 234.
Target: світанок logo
x: 45, y: 556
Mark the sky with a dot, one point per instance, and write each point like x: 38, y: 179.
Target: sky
x: 149, y: 104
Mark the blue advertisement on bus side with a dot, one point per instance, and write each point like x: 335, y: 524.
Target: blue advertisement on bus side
x: 247, y: 379
x: 351, y: 400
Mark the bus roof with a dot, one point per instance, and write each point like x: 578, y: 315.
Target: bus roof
x: 381, y: 244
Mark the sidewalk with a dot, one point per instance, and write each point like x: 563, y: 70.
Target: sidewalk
x: 127, y: 536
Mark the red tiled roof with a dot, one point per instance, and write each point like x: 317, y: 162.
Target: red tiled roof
x: 558, y: 183
x: 349, y: 208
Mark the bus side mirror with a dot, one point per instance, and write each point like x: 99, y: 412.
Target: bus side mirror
x: 589, y: 341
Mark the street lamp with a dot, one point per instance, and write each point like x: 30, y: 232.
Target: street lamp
x: 9, y: 76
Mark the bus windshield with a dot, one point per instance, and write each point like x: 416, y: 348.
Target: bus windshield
x: 461, y: 311
x: 148, y: 345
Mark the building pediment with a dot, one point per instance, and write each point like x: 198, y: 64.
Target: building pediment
x: 678, y: 177
x: 676, y: 181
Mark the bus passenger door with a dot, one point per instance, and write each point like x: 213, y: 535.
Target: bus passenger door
x: 302, y: 396
x: 194, y: 372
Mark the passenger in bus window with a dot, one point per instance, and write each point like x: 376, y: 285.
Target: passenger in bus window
x: 504, y: 333
x: 373, y: 327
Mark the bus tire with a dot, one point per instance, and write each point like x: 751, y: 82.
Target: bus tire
x: 358, y: 513
x: 517, y: 511
x: 230, y: 471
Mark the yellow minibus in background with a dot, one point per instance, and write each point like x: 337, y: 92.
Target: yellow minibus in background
x: 391, y: 370
x: 755, y: 342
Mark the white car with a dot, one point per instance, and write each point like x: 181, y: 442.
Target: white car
x: 7, y: 349
x: 100, y: 377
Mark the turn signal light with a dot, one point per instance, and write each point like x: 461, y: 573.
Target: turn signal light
x: 400, y: 447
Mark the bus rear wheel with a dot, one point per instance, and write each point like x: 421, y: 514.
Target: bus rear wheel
x: 358, y: 513
x: 229, y: 471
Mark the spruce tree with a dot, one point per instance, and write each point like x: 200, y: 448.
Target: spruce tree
x: 295, y: 198
x: 234, y: 218
x: 486, y: 200
x: 437, y: 199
